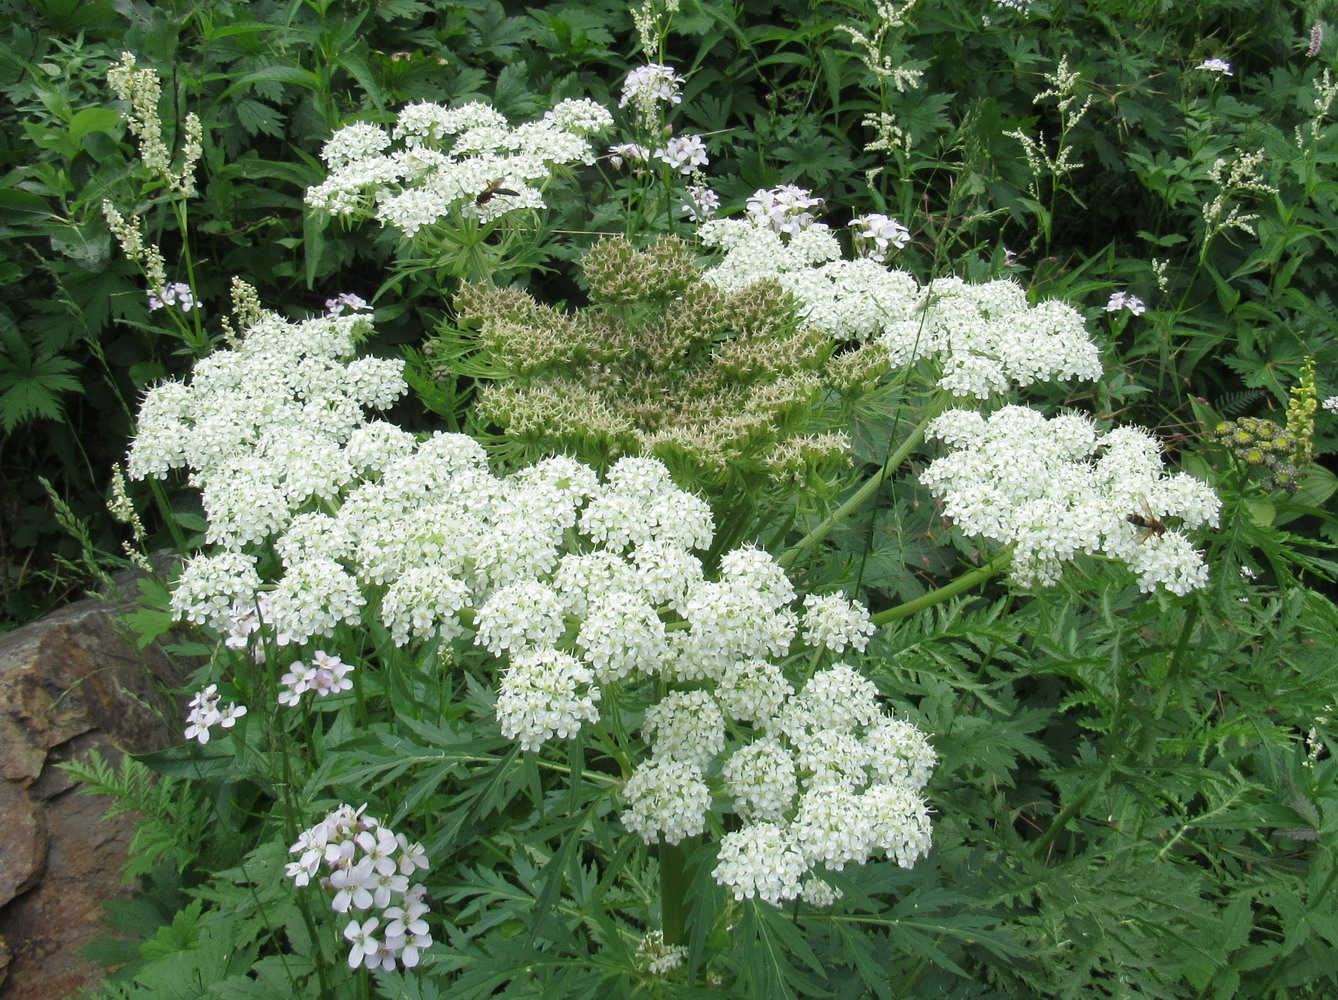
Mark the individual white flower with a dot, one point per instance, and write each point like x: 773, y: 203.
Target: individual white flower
x: 760, y: 860
x: 1123, y: 300
x: 1219, y: 66
x: 545, y: 693
x: 666, y: 799
x: 295, y: 682
x: 364, y: 947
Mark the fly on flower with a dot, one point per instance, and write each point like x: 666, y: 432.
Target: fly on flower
x: 1149, y: 523
x: 493, y: 189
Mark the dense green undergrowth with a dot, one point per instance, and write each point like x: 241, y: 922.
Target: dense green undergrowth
x: 1073, y: 219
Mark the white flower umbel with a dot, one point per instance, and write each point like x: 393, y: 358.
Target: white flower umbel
x: 833, y: 622
x: 761, y: 860
x: 686, y: 726
x: 835, y: 781
x: 438, y: 161
x: 666, y: 799
x: 1056, y: 488
x: 543, y: 694
x: 985, y: 338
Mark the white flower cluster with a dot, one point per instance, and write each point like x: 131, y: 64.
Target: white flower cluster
x: 264, y: 429
x: 985, y: 337
x: 1219, y: 66
x: 832, y: 780
x: 786, y: 209
x: 1056, y: 488
x: 574, y: 582
x: 877, y: 236
x: 684, y: 153
x: 205, y: 714
x: 656, y: 957
x: 178, y: 294
x: 438, y: 160
x: 647, y: 87
x: 1331, y: 404
x: 1123, y: 300
x: 326, y: 674
x: 370, y: 867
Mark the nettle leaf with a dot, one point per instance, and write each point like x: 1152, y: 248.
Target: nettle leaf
x: 31, y: 382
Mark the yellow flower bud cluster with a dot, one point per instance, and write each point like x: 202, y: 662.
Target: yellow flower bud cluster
x: 1264, y: 445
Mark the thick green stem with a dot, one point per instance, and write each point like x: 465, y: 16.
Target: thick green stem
x: 673, y: 894
x: 963, y: 583
x: 862, y: 495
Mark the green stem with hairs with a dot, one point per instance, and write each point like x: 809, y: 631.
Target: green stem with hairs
x: 960, y: 585
x: 866, y: 492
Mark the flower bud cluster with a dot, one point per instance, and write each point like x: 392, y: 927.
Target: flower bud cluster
x: 1054, y: 488
x: 368, y: 867
x: 436, y: 161
x: 1265, y: 446
x: 715, y: 381
x: 985, y: 338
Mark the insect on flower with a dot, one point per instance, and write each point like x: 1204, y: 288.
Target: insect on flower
x: 494, y: 188
x: 1149, y: 523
